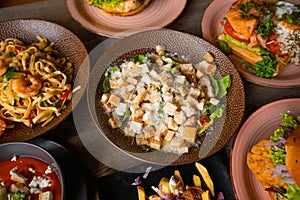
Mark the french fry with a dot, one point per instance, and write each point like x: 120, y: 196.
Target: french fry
x: 164, y: 183
x: 197, y: 180
x: 206, y: 177
x: 205, y: 195
x: 141, y: 193
x: 178, y: 177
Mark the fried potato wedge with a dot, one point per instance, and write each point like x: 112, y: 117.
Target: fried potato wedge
x: 164, y: 183
x: 141, y: 193
x: 206, y: 177
x: 205, y: 195
x: 178, y: 177
x: 197, y: 180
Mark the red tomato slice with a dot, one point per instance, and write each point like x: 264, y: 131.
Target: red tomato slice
x: 272, y: 43
x: 229, y: 30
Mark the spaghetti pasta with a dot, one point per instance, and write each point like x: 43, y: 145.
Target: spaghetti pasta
x: 35, y: 81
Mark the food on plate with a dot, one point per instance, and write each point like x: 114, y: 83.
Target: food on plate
x: 24, y: 178
x: 275, y: 161
x: 174, y: 187
x: 163, y: 101
x: 120, y: 7
x: 35, y: 82
x: 265, y: 34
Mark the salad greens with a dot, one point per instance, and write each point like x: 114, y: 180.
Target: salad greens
x: 111, y: 3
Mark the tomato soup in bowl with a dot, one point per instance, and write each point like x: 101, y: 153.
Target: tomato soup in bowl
x: 29, y: 172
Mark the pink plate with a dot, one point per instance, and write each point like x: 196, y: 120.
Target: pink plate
x: 211, y: 27
x: 260, y: 125
x: 158, y: 14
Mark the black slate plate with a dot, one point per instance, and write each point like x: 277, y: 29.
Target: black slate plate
x: 74, y: 175
x: 118, y: 185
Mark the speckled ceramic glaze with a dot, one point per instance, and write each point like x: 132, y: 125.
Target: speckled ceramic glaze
x: 64, y: 41
x: 193, y: 48
x: 211, y: 27
x: 260, y: 125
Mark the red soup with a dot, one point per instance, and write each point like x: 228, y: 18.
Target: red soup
x: 29, y: 177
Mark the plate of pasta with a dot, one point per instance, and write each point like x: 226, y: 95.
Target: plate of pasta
x: 40, y: 63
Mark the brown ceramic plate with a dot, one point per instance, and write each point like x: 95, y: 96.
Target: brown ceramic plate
x: 211, y: 27
x: 64, y: 41
x: 193, y: 48
x: 260, y: 125
x: 158, y: 14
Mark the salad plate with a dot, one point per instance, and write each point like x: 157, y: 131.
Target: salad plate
x: 158, y: 14
x: 260, y: 125
x: 211, y: 27
x: 180, y: 43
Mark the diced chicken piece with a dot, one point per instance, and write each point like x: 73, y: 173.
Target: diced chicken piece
x: 183, y: 90
x: 136, y: 127
x: 46, y: 195
x: 15, y: 187
x: 155, y: 96
x: 211, y: 69
x: 189, y: 134
x: 170, y: 108
x: 208, y: 57
x: 166, y: 77
x: 206, y: 81
x: 141, y: 141
x: 140, y: 86
x: 200, y: 105
x: 120, y: 110
x: 190, y: 121
x: 18, y: 177
x: 156, y: 58
x: 160, y: 50
x: 169, y: 136
x: 128, y: 132
x: 130, y: 87
x: 146, y: 79
x: 105, y: 98
x: 114, y: 100
x: 144, y: 68
x: 180, y: 79
x: 149, y: 131
x: 179, y: 117
x: 154, y: 74
x: 131, y: 80
x: 137, y: 114
x: 113, y: 123
x: 199, y: 74
x: 195, y: 92
x: 191, y: 100
x: 172, y: 124
x: 214, y: 101
x: 187, y: 68
x: 189, y: 111
x: 147, y: 106
x: 147, y: 118
x: 139, y: 98
x: 162, y: 128
x: 154, y: 144
x: 113, y: 83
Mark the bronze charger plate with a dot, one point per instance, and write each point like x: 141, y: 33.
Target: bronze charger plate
x: 193, y: 48
x: 64, y: 41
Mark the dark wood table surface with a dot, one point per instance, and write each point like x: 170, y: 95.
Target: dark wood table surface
x: 66, y: 133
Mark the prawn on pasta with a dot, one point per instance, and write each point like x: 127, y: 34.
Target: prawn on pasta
x: 35, y: 82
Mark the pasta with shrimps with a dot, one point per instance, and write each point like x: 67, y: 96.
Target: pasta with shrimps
x: 35, y: 81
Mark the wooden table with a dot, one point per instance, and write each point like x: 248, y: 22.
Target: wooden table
x: 66, y: 134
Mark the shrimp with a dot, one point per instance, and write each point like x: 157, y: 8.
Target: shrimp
x: 3, y: 69
x: 26, y: 87
x: 2, y: 126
